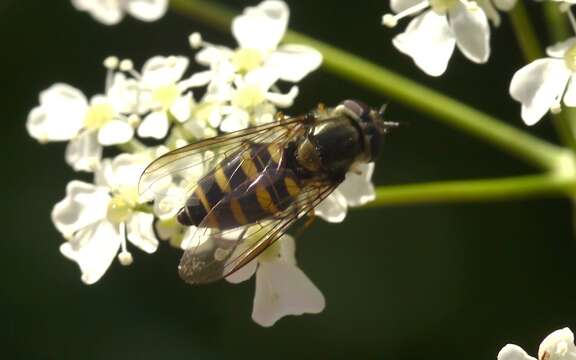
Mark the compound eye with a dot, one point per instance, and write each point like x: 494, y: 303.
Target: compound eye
x: 358, y: 108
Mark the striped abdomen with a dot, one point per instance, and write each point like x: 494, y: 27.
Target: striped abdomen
x: 242, y: 189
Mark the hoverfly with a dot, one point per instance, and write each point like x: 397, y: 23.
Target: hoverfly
x: 257, y: 182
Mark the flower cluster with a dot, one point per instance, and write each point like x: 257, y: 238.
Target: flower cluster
x: 559, y: 345
x: 165, y: 105
x: 441, y: 25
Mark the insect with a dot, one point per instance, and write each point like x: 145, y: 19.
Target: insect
x: 257, y: 182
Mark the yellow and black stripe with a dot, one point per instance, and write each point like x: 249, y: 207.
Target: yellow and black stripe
x: 246, y: 186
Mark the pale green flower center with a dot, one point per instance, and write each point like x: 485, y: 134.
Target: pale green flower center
x: 98, y: 115
x: 442, y: 6
x: 165, y: 95
x: 247, y: 59
x: 570, y: 58
x: 248, y: 97
x: 122, y: 205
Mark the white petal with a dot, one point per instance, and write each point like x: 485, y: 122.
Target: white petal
x: 161, y: 70
x: 261, y: 27
x: 263, y: 77
x: 283, y: 100
x: 287, y: 249
x: 147, y: 10
x: 83, y: 152
x: 293, y: 62
x: 84, y: 204
x: 283, y: 289
x: 126, y: 169
x: 198, y: 79
x: 558, y: 346
x: 211, y: 55
x: 115, y: 132
x: 141, y: 232
x: 182, y: 107
x: 334, y: 208
x: 490, y: 11
x: 513, y: 352
x: 505, y: 5
x: 94, y: 248
x: 559, y: 49
x: 125, y: 95
x: 401, y: 5
x: 237, y: 120
x: 244, y: 273
x: 155, y: 125
x: 570, y: 94
x: 60, y: 115
x: 472, y: 32
x: 169, y: 201
x: 108, y: 12
x: 537, y: 85
x: 358, y: 188
x: 429, y: 41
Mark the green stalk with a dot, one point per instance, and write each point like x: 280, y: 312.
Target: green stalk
x: 473, y: 190
x: 396, y: 87
x: 525, y: 33
x: 558, y: 28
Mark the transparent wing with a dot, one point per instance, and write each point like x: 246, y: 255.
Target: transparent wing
x: 186, y: 165
x: 217, y: 253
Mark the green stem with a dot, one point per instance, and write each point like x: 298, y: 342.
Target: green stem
x: 473, y: 190
x: 525, y: 32
x: 370, y: 75
x: 558, y: 26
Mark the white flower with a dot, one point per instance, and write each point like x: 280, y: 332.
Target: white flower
x: 439, y: 26
x: 64, y: 114
x: 281, y: 287
x: 248, y: 101
x: 110, y: 12
x: 258, y: 32
x: 163, y: 93
x: 97, y: 219
x: 356, y: 190
x: 541, y: 85
x: 557, y: 346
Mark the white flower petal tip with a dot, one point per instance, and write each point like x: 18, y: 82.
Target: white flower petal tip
x: 283, y: 289
x: 538, y: 87
x: 84, y: 205
x: 261, y: 27
x: 155, y: 125
x: 93, y: 249
x: 293, y: 62
x: 112, y: 12
x: 429, y: 41
x: 472, y: 32
x: 559, y: 345
x: 115, y: 132
x: 147, y: 10
x: 513, y: 352
x: 60, y: 115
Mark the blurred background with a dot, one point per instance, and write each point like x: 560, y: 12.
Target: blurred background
x: 406, y: 282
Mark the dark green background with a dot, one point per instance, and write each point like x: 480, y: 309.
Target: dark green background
x: 454, y: 281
